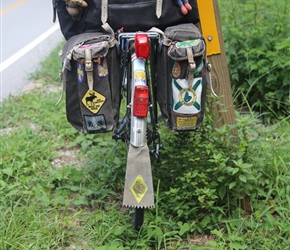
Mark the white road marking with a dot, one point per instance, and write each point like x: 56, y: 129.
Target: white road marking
x: 8, y: 62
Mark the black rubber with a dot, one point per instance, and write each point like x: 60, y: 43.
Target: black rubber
x: 137, y: 216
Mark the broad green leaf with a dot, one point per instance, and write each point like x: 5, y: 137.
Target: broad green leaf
x: 237, y: 246
x: 222, y: 191
x: 8, y: 171
x: 217, y: 233
x: 232, y: 185
x: 184, y: 229
x: 243, y: 178
x: 205, y: 221
x: 119, y: 230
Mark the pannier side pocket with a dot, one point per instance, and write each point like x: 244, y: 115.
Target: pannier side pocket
x: 183, y: 104
x: 93, y: 91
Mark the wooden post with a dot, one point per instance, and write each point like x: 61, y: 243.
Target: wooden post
x: 211, y: 30
x: 211, y: 27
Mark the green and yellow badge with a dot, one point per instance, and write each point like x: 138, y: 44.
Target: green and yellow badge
x: 187, y: 43
x: 139, y: 188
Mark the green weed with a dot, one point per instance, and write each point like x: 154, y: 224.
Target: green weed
x: 257, y: 47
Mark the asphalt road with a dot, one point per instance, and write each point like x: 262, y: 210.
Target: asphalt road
x: 27, y: 36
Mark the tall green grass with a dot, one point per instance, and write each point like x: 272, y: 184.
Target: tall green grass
x: 257, y: 41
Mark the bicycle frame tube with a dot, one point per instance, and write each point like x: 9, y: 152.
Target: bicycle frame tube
x: 138, y: 72
x: 138, y: 124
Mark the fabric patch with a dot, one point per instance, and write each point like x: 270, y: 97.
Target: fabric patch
x: 176, y: 69
x: 187, y: 43
x: 80, y: 72
x: 199, y: 69
x: 186, y: 100
x: 93, y: 101
x: 95, y: 123
x: 103, y: 67
x: 186, y: 121
x: 139, y: 188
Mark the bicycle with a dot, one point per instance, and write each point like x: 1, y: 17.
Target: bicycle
x: 139, y: 126
x: 136, y: 55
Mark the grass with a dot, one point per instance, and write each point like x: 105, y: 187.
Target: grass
x: 60, y: 189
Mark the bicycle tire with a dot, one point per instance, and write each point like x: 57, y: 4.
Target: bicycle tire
x: 137, y: 218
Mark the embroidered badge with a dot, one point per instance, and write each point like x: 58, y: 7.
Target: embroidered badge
x: 95, y: 123
x: 80, y: 72
x: 187, y: 43
x: 187, y: 97
x: 93, y: 101
x: 103, y: 67
x: 176, y: 69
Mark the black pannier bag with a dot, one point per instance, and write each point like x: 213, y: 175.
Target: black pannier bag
x: 132, y: 15
x: 91, y: 81
x: 183, y: 74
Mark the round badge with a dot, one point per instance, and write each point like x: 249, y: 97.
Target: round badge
x: 176, y: 69
x: 187, y: 97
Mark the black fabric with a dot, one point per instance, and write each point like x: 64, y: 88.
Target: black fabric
x: 132, y: 15
x: 68, y: 26
x: 166, y: 75
x: 85, y: 109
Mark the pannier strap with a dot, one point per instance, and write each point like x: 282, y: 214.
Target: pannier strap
x: 191, y: 67
x: 104, y: 10
x: 159, y: 8
x: 89, y: 68
x: 104, y: 14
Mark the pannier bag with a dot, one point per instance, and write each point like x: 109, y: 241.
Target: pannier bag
x: 91, y: 81
x: 131, y: 15
x: 182, y: 77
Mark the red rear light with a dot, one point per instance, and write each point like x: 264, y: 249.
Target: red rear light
x: 141, y: 101
x: 142, y: 46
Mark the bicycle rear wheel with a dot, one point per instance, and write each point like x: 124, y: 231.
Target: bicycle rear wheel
x: 137, y: 218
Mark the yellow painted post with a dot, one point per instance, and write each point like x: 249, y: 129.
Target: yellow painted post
x: 211, y: 29
x: 209, y: 26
